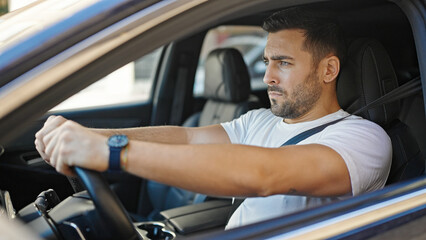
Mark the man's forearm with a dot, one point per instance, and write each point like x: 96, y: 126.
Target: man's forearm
x: 211, y: 169
x: 172, y: 134
x: 161, y: 134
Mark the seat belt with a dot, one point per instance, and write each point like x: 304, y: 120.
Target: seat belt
x: 410, y: 88
x: 406, y: 90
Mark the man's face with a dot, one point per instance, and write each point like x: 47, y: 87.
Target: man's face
x: 293, y: 84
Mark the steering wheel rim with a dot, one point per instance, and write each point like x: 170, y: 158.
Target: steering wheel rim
x: 107, y: 205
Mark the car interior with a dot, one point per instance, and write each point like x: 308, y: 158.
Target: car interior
x: 381, y: 57
x: 228, y: 95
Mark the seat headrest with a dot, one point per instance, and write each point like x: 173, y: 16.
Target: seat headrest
x: 367, y: 75
x: 226, y: 76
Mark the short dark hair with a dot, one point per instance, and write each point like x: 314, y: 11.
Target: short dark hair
x: 322, y: 33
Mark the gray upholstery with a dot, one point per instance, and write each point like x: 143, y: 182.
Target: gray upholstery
x: 227, y: 90
x: 226, y: 76
x: 215, y: 112
x: 368, y: 74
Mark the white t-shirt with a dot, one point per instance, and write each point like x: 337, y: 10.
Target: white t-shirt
x: 364, y: 146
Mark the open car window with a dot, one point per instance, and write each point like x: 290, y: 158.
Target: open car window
x: 128, y: 84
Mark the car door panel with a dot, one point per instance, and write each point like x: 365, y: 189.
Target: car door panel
x: 22, y: 159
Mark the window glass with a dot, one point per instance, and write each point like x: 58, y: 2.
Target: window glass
x: 131, y: 83
x: 249, y: 40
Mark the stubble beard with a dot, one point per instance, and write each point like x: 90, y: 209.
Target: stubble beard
x: 301, y: 101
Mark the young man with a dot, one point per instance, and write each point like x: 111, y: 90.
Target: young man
x: 302, y: 55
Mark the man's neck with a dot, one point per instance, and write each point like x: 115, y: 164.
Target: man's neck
x: 315, y: 113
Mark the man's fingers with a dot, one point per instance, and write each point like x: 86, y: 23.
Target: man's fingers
x: 52, y: 162
x: 62, y: 161
x: 55, y: 120
x: 55, y: 154
x: 64, y: 143
x: 38, y: 142
x: 40, y: 150
x: 51, y: 124
x: 50, y: 141
x: 67, y: 170
x: 52, y: 146
x: 63, y: 168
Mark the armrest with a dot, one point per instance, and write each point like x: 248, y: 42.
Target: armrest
x: 197, y: 217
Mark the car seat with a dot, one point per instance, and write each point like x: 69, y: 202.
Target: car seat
x: 227, y: 90
x: 367, y: 75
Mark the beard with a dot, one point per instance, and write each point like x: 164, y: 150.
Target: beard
x: 301, y: 101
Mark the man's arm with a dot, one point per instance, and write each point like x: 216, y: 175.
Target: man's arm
x: 161, y: 134
x: 62, y: 134
x: 212, y: 168
x: 171, y: 134
x: 240, y: 170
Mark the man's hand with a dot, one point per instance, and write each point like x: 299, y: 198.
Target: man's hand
x: 63, y: 143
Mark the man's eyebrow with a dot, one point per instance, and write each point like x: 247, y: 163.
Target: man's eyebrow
x: 279, y: 57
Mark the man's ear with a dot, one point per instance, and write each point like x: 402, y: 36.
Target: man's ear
x: 331, y: 68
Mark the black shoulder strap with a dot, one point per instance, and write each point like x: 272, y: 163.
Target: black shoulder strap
x: 301, y: 136
x: 408, y: 89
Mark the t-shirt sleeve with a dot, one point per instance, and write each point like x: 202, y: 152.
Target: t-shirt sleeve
x: 237, y: 129
x: 366, y: 149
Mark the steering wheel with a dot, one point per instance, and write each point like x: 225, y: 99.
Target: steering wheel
x: 107, y: 205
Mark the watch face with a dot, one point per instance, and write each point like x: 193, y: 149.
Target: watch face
x: 118, y: 141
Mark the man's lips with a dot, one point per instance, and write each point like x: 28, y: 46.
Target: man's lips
x: 274, y: 94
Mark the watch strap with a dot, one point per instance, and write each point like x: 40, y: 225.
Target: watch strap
x: 114, y: 159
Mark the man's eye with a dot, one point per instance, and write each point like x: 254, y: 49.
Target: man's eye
x: 284, y: 63
x: 266, y: 63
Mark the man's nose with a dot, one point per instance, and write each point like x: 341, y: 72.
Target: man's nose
x: 270, y: 77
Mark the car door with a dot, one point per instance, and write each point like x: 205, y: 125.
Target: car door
x: 122, y: 99
x: 145, y: 92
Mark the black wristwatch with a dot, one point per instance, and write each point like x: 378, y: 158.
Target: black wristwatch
x: 116, y: 144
